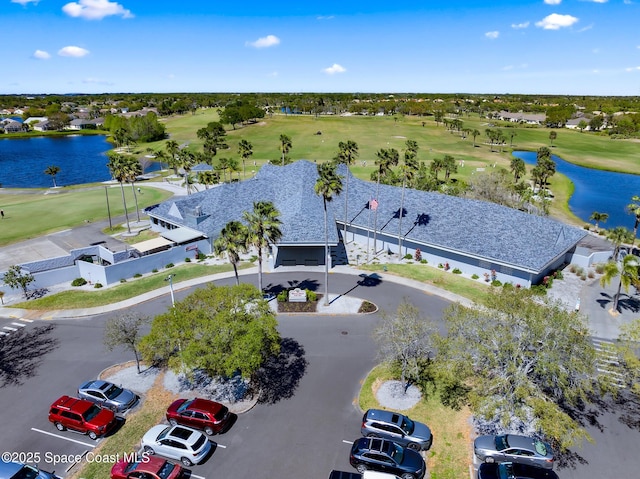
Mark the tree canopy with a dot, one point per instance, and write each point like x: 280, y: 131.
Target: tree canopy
x: 529, y: 363
x: 222, y: 330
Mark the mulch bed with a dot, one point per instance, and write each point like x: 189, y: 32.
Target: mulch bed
x: 306, y: 307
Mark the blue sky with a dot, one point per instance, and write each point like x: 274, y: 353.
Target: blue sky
x: 577, y: 47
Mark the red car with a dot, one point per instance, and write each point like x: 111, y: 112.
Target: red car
x: 82, y: 416
x: 208, y: 416
x: 148, y: 467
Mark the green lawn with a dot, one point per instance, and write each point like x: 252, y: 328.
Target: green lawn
x: 34, y: 213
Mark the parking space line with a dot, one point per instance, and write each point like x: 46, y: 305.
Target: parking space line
x: 197, y: 477
x: 347, y: 442
x: 65, y: 438
x: 20, y: 325
x: 26, y: 320
x: 4, y: 333
x: 220, y: 445
x: 9, y: 328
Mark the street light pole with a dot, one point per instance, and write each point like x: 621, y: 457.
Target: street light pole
x: 106, y: 192
x: 170, y: 279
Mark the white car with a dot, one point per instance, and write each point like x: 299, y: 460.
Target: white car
x: 177, y: 442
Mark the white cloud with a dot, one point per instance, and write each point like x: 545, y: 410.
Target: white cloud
x: 72, y: 51
x: 633, y: 69
x: 97, y: 81
x: 264, y: 42
x: 553, y: 2
x: 492, y: 35
x: 272, y: 74
x: 24, y: 2
x: 325, y: 17
x: 556, y: 21
x: 599, y: 1
x: 335, y: 68
x: 518, y: 26
x: 95, y: 9
x: 41, y: 55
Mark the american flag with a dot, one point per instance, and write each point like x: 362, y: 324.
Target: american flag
x: 373, y: 204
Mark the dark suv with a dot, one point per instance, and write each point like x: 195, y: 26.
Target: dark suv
x: 82, y: 416
x: 397, y: 428
x: 386, y: 456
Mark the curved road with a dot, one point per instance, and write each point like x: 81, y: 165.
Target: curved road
x: 300, y: 431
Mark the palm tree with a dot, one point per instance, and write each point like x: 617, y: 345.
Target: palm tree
x: 475, y: 133
x: 328, y: 185
x: 132, y: 170
x: 512, y: 134
x: 233, y: 166
x: 207, y: 178
x: 187, y: 161
x: 628, y: 272
x: 518, y: 168
x: 618, y: 236
x: 347, y: 154
x: 450, y: 166
x: 552, y: 136
x: 233, y: 240
x: 173, y: 151
x: 386, y: 158
x: 598, y: 217
x: 408, y: 170
x: 634, y: 209
x: 52, y: 171
x: 285, y: 146
x: 263, y: 225
x: 118, y: 167
x: 245, y: 150
x: 223, y: 166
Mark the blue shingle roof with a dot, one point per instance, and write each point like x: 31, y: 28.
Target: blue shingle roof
x: 475, y: 228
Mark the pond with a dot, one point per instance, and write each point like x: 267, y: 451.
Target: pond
x: 81, y: 159
x: 596, y: 190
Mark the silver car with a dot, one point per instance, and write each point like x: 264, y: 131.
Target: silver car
x: 514, y: 448
x: 17, y: 470
x: 397, y: 428
x: 177, y: 442
x: 107, y: 395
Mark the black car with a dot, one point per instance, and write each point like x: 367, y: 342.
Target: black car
x: 386, y: 456
x: 510, y: 470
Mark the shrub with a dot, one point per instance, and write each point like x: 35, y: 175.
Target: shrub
x: 282, y: 297
x: 97, y: 285
x: 507, y: 286
x: 137, y: 275
x: 253, y: 258
x: 591, y: 274
x: 423, y: 261
x: 474, y: 276
x: 407, y: 256
x: 170, y: 265
x: 187, y: 260
x: 440, y: 265
x: 587, y: 227
x: 600, y: 268
x: 311, y: 295
x: 496, y: 282
x: 583, y: 277
x: 154, y: 270
x: 539, y: 289
x: 122, y: 280
x: 558, y: 274
x: 201, y: 256
x: 573, y: 268
x: 456, y: 271
x: 79, y: 282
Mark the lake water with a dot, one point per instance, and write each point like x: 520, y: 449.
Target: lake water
x: 596, y: 190
x: 81, y: 159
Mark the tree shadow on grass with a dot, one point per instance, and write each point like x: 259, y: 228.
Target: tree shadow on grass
x: 22, y: 352
x: 279, y: 378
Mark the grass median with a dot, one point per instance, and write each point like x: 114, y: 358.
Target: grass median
x: 450, y: 455
x: 74, y: 299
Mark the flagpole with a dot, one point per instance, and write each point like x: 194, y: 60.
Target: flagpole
x: 368, y: 227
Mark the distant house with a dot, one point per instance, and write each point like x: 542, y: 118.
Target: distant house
x: 572, y: 123
x: 35, y: 119
x: 525, y: 118
x: 11, y: 126
x: 45, y: 125
x: 81, y: 124
x: 473, y: 236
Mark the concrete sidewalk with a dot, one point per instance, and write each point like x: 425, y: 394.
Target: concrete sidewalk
x: 338, y: 305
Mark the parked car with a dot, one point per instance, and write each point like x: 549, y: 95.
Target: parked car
x: 177, y: 442
x: 366, y: 475
x: 150, y: 467
x: 383, y: 455
x: 514, y: 448
x: 208, y: 416
x: 397, y: 428
x: 509, y: 470
x: 108, y: 395
x: 17, y: 470
x: 81, y: 416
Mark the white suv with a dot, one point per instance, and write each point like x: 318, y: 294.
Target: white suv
x: 177, y: 442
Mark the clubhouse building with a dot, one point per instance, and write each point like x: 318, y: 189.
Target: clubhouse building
x: 471, y: 236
